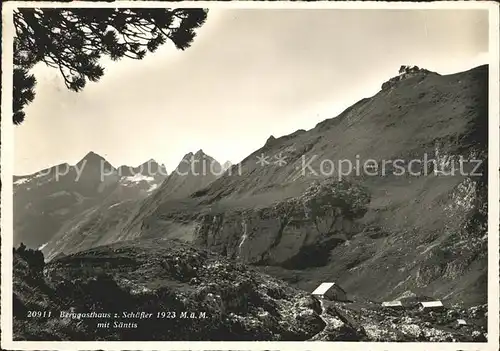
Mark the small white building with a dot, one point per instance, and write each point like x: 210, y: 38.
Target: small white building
x: 461, y: 322
x: 431, y: 305
x: 392, y: 304
x: 330, y: 291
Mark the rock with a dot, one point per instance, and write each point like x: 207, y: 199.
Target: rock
x: 310, y: 302
x: 311, y: 322
x: 412, y: 330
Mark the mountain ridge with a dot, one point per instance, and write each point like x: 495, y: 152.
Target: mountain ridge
x: 47, y: 199
x: 100, y: 222
x: 91, y: 158
x: 441, y: 116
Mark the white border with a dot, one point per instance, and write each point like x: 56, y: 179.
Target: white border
x: 493, y: 186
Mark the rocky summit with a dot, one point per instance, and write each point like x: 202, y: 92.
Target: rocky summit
x: 388, y: 200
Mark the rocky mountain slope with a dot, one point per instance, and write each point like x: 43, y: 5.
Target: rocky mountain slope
x: 168, y: 290
x: 194, y: 172
x: 45, y: 202
x: 416, y: 228
x: 102, y: 223
x: 424, y: 231
x: 407, y: 221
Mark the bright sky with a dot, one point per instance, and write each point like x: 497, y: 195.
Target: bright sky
x: 248, y: 75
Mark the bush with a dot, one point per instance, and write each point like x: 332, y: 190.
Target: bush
x: 34, y: 258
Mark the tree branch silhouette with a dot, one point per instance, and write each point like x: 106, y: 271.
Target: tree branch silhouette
x: 73, y: 41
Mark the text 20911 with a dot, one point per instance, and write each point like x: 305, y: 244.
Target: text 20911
x: 39, y: 314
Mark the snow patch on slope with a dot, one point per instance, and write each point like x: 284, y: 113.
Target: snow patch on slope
x: 244, y: 236
x: 152, y: 187
x: 136, y: 178
x: 114, y: 205
x: 42, y: 246
x: 22, y: 181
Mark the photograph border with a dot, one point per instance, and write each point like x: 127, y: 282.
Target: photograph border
x: 7, y: 158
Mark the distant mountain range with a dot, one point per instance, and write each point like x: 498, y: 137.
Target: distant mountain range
x: 60, y: 200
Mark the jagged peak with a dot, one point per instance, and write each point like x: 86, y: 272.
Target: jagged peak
x: 197, y: 157
x: 92, y: 158
x: 91, y: 155
x: 150, y: 161
x: 188, y: 156
x: 149, y: 168
x: 270, y: 141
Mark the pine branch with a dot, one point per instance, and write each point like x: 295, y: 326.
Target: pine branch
x: 73, y: 40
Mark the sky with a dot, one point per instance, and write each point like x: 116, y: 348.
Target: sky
x: 249, y: 74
